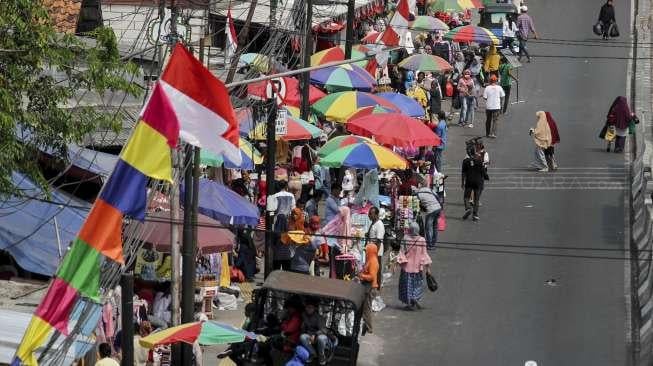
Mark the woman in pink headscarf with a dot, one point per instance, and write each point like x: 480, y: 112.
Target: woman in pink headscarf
x: 340, y: 226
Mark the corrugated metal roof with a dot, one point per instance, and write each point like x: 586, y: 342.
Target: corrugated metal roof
x: 109, y: 138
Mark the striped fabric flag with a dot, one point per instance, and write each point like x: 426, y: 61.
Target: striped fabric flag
x: 146, y: 155
x: 395, y: 32
x: 201, y: 102
x: 232, y: 37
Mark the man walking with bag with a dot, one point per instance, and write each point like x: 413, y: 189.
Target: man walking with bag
x: 493, y: 95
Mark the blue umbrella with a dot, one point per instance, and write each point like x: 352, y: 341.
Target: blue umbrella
x: 222, y: 204
x: 406, y: 104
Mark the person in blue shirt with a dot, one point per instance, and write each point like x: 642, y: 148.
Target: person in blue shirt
x: 441, y: 131
x: 332, y: 204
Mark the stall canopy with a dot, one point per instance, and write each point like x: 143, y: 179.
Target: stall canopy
x: 221, y: 203
x: 36, y: 232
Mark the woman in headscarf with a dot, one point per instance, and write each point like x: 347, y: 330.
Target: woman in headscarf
x: 413, y: 259
x: 619, y: 117
x: 541, y: 135
x: 369, y: 190
x: 491, y: 62
x: 549, y: 153
x: 339, y: 226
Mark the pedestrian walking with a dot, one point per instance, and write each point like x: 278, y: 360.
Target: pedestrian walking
x: 494, y: 97
x: 509, y: 32
x: 466, y: 94
x: 369, y: 278
x: 618, y: 119
x: 541, y: 135
x: 440, y: 130
x: 414, y: 261
x: 473, y: 179
x: 492, y: 61
x: 505, y: 80
x: 606, y: 18
x: 375, y: 235
x: 435, y: 96
x: 549, y: 153
x: 525, y: 26
x: 430, y: 206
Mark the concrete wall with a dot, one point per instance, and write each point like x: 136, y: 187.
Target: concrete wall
x: 132, y: 22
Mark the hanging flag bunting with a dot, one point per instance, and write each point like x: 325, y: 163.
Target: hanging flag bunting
x: 146, y: 155
x: 395, y: 33
x: 232, y: 37
x: 202, y: 105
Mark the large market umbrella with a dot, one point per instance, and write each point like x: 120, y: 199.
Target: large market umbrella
x: 221, y: 203
x: 250, y: 157
x: 472, y: 33
x: 343, y: 77
x: 210, y: 237
x: 455, y: 5
x: 341, y: 141
x: 338, y: 54
x: 394, y: 129
x: 425, y: 62
x: 297, y: 113
x: 338, y: 107
x: 366, y: 111
x: 365, y: 156
x: 297, y: 129
x: 370, y: 38
x: 256, y: 61
x: 206, y: 333
x: 286, y: 90
x: 428, y: 23
x: 406, y: 104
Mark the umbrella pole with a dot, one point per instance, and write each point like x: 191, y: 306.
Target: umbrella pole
x: 269, y: 177
x: 349, y: 34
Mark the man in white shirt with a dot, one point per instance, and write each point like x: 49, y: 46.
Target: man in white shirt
x: 493, y: 95
x: 375, y: 235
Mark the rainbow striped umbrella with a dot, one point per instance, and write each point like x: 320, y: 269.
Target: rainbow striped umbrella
x: 207, y: 333
x: 425, y: 62
x: 297, y: 113
x: 428, y: 23
x: 455, y: 5
x: 365, y: 156
x: 366, y: 111
x: 256, y: 61
x: 250, y: 155
x: 341, y: 141
x: 338, y: 54
x: 338, y: 107
x: 298, y: 129
x: 472, y: 33
x: 343, y: 77
x: 406, y: 104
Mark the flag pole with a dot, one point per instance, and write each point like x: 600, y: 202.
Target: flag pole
x: 269, y: 178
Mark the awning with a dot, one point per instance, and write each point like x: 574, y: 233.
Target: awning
x: 36, y: 232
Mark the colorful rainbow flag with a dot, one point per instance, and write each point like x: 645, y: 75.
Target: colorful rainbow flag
x: 146, y: 155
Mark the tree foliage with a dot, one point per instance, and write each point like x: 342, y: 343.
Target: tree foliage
x: 35, y: 101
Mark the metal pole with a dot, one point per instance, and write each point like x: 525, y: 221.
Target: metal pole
x: 308, y: 50
x: 242, y: 40
x: 349, y: 35
x: 56, y: 231
x: 127, y: 318
x: 187, y: 255
x: 269, y: 176
x: 175, y: 255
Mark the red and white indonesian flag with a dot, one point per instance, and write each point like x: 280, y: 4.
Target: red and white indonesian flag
x: 232, y: 37
x: 202, y: 105
x: 395, y: 33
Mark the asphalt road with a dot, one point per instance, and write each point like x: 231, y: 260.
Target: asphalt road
x: 494, y: 306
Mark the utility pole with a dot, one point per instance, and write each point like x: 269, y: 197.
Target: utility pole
x: 188, y: 255
x: 127, y: 318
x: 175, y: 254
x: 242, y: 40
x: 308, y: 50
x: 269, y: 177
x: 349, y: 34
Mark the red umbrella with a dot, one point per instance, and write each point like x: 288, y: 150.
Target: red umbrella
x: 287, y: 89
x: 370, y: 38
x: 210, y: 237
x: 394, y: 129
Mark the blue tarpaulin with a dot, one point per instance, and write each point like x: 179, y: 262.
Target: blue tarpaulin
x: 28, y: 226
